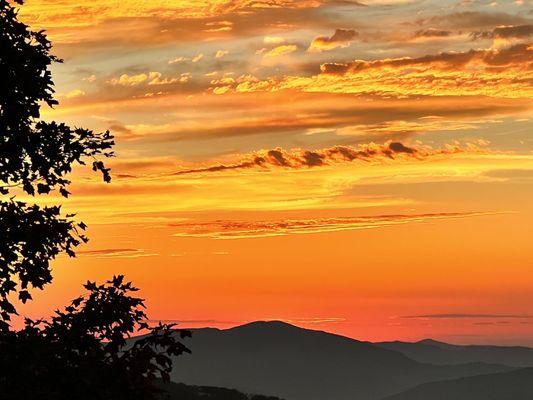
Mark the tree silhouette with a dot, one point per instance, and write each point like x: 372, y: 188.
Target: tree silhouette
x: 35, y: 157
x: 81, y: 352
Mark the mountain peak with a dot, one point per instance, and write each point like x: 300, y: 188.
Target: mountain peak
x: 432, y: 342
x: 267, y: 325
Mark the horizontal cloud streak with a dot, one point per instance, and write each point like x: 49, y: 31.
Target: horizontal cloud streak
x: 513, y: 57
x: 259, y: 229
x: 300, y: 159
x: 465, y: 316
x: 92, y: 12
x: 116, y: 253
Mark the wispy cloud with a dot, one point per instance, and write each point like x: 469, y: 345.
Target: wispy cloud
x: 467, y: 316
x: 206, y: 322
x: 308, y: 320
x: 116, y: 253
x: 92, y: 12
x: 229, y: 229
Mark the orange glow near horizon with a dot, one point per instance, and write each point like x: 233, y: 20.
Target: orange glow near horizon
x: 334, y: 166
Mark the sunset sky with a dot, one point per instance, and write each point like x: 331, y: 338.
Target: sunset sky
x: 364, y: 168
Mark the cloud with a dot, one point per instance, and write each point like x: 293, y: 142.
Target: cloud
x: 116, y: 253
x: 381, y: 119
x: 121, y: 131
x: 90, y: 78
x: 341, y: 38
x: 178, y: 60
x: 88, y: 25
x: 150, y: 78
x: 514, y: 57
x: 197, y: 58
x: 59, y: 13
x: 194, y: 59
x: 472, y: 20
x: 504, y: 73
x: 190, y: 321
x: 139, y: 166
x: 505, y: 32
x: 157, y: 79
x: 281, y: 50
x: 273, y: 40
x: 432, y: 33
x: 219, y: 26
x: 127, y: 80
x: 231, y: 229
x: 308, y: 321
x: 420, y: 126
x: 298, y: 159
x: 221, y: 53
x: 520, y: 175
x: 75, y: 93
x: 273, y: 112
x: 466, y: 316
x: 521, y: 31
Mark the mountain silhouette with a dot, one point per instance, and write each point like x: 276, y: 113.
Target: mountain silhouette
x: 179, y: 391
x: 283, y: 360
x: 515, y: 385
x: 434, y: 352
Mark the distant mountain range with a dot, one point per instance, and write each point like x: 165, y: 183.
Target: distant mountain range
x: 179, y: 391
x: 278, y: 359
x: 515, y: 385
x: 433, y: 352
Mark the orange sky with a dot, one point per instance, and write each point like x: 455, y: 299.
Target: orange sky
x: 362, y: 169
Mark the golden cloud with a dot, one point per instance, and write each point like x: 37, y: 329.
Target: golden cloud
x: 160, y: 195
x: 281, y: 50
x: 59, y: 13
x: 341, y: 38
x: 505, y: 73
x: 299, y: 158
x: 82, y: 26
x: 257, y: 229
x: 150, y: 78
x: 220, y: 53
x: 116, y: 253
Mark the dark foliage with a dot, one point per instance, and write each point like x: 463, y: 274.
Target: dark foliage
x: 35, y: 158
x: 179, y: 391
x: 82, y: 351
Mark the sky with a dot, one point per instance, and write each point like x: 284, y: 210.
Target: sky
x: 364, y: 168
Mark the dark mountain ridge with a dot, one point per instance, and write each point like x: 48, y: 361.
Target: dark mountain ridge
x: 179, y: 391
x: 283, y: 360
x: 514, y: 385
x: 435, y: 352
